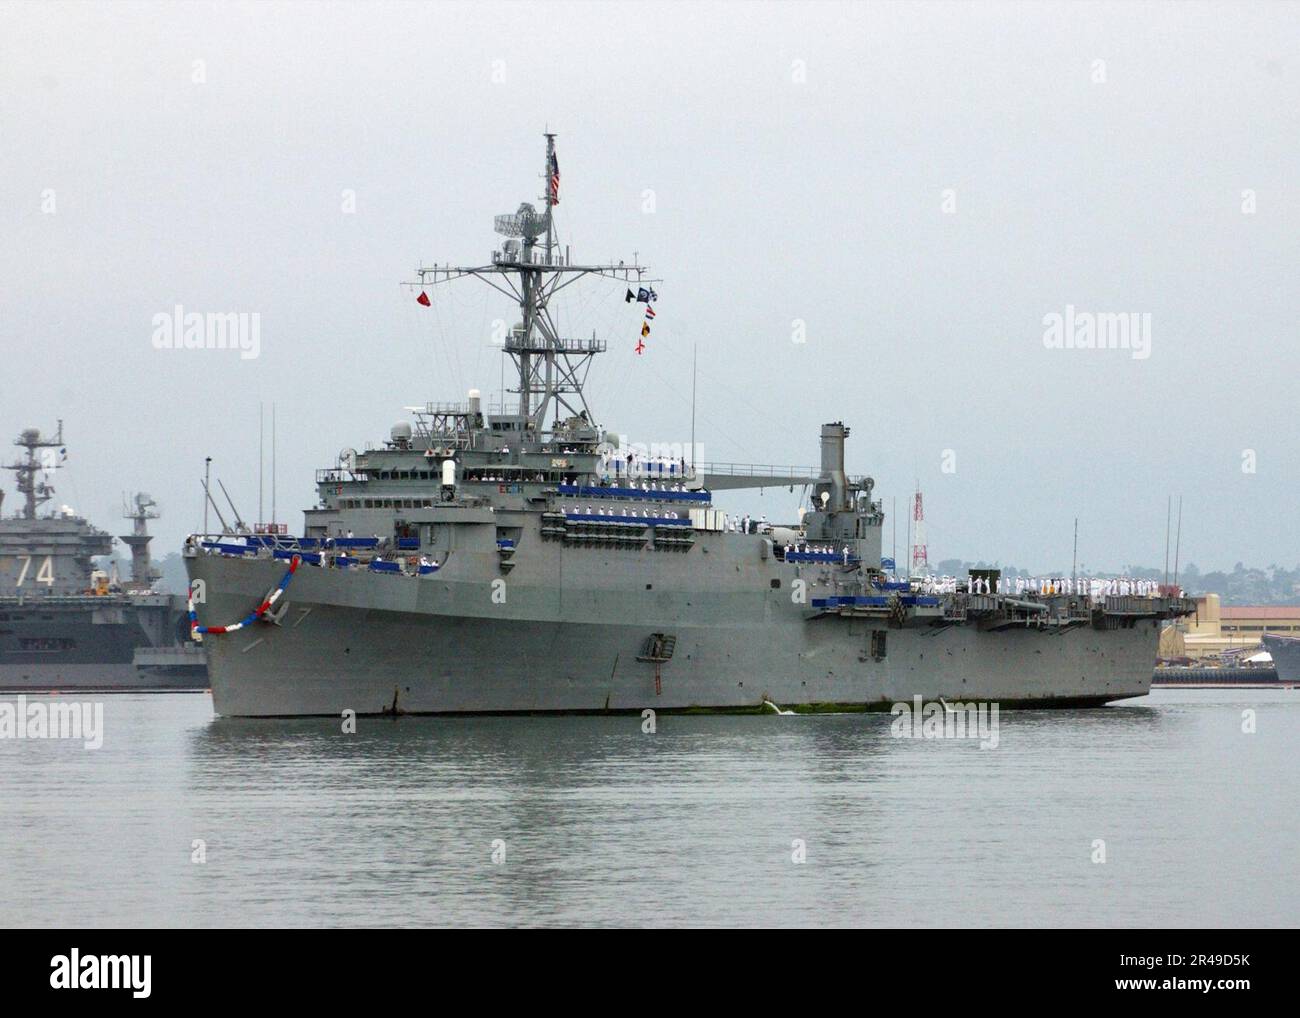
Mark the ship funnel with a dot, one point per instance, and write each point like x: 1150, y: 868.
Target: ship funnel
x: 833, y: 436
x: 475, y: 402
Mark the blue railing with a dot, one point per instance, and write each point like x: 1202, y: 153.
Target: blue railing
x: 873, y: 601
x: 230, y: 549
x: 254, y: 541
x: 310, y: 557
x: 286, y: 548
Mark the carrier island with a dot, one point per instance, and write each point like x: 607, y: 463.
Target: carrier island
x: 497, y: 562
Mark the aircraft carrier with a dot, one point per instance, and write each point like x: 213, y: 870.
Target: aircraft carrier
x: 526, y: 561
x: 65, y: 625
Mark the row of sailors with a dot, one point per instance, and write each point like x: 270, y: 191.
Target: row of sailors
x: 491, y: 476
x: 641, y: 512
x: 633, y: 465
x: 1045, y: 585
x: 731, y: 524
x: 475, y: 475
x: 1122, y: 586
x: 660, y: 464
x: 817, y: 549
x: 644, y: 485
x: 945, y: 585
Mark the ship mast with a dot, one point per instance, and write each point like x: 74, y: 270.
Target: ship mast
x: 139, y: 511
x: 551, y: 369
x: 34, y: 492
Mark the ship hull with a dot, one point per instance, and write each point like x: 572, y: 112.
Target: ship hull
x: 1285, y: 652
x: 99, y: 678
x: 92, y: 644
x: 374, y: 644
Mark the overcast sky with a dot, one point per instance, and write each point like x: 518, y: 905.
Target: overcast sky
x: 918, y: 185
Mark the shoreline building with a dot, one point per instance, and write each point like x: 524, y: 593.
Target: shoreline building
x: 1217, y: 630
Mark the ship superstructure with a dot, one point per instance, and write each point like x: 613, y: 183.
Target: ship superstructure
x: 523, y: 560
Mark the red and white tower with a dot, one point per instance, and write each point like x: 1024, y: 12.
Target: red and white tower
x: 920, y: 558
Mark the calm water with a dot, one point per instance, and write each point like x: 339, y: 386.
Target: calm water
x: 693, y: 825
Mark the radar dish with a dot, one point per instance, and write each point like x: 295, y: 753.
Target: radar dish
x: 527, y: 222
x: 348, y: 459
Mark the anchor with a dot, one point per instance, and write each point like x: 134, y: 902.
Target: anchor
x: 658, y: 649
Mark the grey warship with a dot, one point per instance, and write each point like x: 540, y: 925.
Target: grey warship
x: 517, y: 561
x: 65, y: 625
x: 1285, y: 651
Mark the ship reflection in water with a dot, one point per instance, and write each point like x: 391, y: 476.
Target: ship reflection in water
x: 593, y: 821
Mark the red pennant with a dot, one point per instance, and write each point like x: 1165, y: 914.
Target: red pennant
x: 423, y: 298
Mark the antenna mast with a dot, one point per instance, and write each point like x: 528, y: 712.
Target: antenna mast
x: 552, y: 369
x: 35, y: 493
x: 920, y: 555
x: 140, y: 510
x: 1178, y: 541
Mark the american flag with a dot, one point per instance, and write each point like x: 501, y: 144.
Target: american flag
x: 555, y: 180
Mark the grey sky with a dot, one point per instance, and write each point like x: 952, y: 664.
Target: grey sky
x: 775, y: 200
